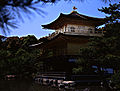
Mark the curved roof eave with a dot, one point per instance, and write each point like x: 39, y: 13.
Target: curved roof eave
x: 60, y: 21
x: 76, y: 14
x: 49, y: 26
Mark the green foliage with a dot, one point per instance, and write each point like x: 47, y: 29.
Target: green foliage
x: 104, y: 52
x: 116, y: 80
x: 113, y: 11
x: 81, y: 66
x: 28, y: 40
x: 16, y: 57
x: 77, y: 70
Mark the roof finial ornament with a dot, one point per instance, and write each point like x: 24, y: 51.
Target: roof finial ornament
x: 74, y: 8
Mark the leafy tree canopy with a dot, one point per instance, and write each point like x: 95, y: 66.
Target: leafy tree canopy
x: 104, y: 52
x: 16, y: 57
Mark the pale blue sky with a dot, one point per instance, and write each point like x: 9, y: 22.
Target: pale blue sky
x: 52, y: 11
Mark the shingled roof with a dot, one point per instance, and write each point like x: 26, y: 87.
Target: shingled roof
x: 73, y: 18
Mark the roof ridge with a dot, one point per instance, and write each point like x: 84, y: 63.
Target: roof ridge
x: 81, y: 15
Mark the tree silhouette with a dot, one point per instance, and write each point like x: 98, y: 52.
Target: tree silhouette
x: 103, y: 52
x: 10, y: 10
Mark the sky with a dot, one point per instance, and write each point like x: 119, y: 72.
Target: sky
x: 33, y: 26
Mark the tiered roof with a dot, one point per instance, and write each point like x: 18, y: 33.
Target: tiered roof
x: 73, y: 18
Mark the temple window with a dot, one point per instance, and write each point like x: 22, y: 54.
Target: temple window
x: 71, y: 29
x: 78, y: 28
x: 81, y: 28
x: 90, y: 30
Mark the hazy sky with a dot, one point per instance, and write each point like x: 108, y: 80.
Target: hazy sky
x: 52, y: 11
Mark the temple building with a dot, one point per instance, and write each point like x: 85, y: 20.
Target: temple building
x: 72, y: 32
x: 75, y: 24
